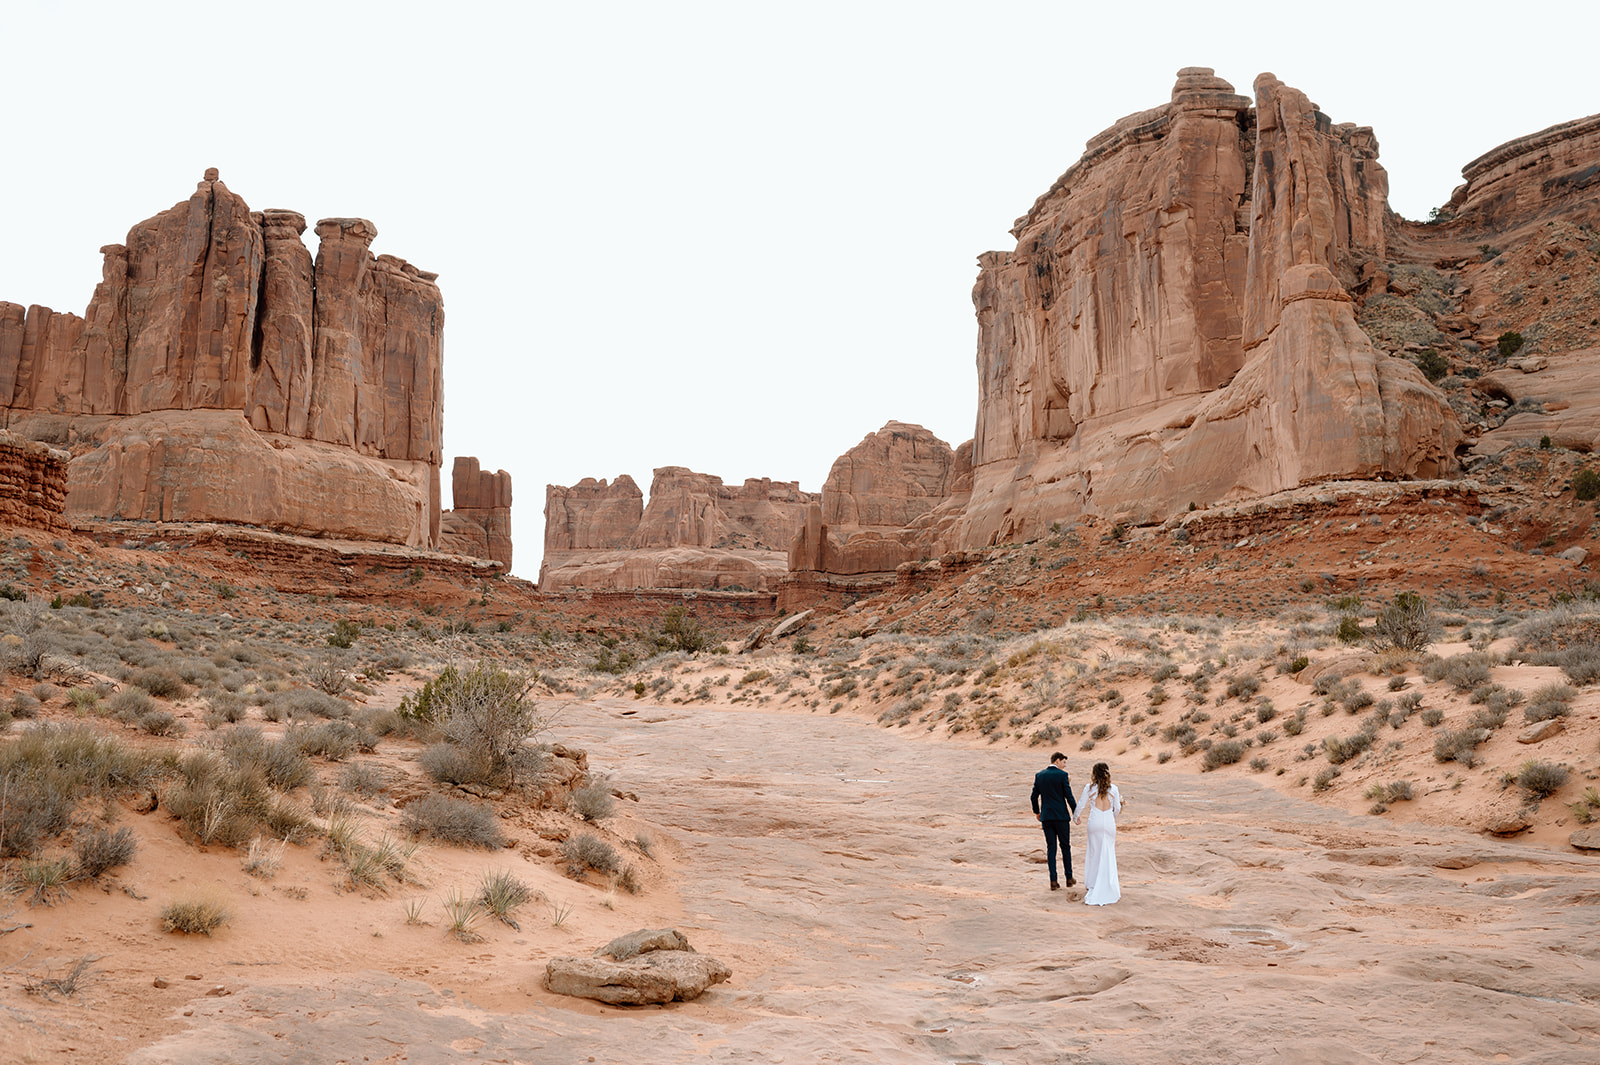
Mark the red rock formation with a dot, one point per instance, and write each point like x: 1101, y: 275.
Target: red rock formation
x: 695, y: 533
x: 209, y: 307
x: 1173, y: 325
x: 1532, y: 178
x: 879, y: 503
x: 33, y: 484
x: 479, y: 524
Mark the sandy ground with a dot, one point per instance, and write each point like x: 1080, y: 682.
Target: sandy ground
x: 880, y: 898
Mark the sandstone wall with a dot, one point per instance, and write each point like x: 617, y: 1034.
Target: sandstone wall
x: 479, y: 523
x: 1174, y: 326
x: 696, y: 532
x: 33, y: 484
x: 1531, y: 178
x: 210, y: 307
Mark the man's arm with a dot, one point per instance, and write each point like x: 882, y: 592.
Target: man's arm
x: 1072, y: 801
x: 1034, y: 798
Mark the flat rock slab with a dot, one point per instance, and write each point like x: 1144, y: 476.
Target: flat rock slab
x: 1542, y: 730
x: 654, y: 978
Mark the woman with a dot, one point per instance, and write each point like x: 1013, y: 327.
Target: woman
x: 1101, y: 803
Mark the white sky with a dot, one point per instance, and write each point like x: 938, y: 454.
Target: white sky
x: 736, y: 237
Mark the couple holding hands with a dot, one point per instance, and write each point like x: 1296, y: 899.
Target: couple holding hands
x: 1100, y: 803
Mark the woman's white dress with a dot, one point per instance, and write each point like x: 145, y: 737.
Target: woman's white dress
x: 1100, y: 859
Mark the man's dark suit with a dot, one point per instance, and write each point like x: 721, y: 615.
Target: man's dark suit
x: 1054, y: 804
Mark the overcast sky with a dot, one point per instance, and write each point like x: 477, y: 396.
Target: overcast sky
x: 736, y: 237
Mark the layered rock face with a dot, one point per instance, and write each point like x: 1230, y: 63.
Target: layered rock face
x: 695, y: 533
x: 1556, y: 170
x: 1174, y: 324
x: 213, y: 328
x: 33, y: 484
x: 886, y: 501
x: 479, y: 523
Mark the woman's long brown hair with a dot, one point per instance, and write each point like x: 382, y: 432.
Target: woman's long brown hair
x: 1100, y: 775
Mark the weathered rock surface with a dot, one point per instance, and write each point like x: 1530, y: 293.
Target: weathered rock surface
x: 209, y: 309
x: 479, y: 523
x: 1529, y: 179
x: 640, y: 968
x: 1174, y: 324
x: 33, y: 483
x: 696, y: 532
x: 1572, y: 379
x: 890, y: 499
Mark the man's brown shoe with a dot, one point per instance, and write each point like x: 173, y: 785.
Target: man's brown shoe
x: 1055, y: 886
x: 1071, y: 882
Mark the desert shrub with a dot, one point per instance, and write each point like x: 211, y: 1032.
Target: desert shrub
x: 1541, y: 779
x: 1341, y: 749
x: 1224, y: 752
x: 1464, y: 672
x: 344, y: 633
x: 594, y: 801
x: 1293, y: 726
x: 361, y: 778
x: 160, y: 723
x: 501, y: 894
x: 131, y: 704
x: 1325, y: 684
x: 1509, y: 343
x: 449, y: 764
x: 305, y: 702
x: 162, y: 683
x: 1042, y: 736
x: 1349, y: 629
x: 98, y: 850
x: 1432, y: 716
x: 200, y: 913
x: 1406, y: 623
x: 1243, y: 685
x: 453, y: 821
x: 23, y: 706
x: 1100, y: 731
x: 1459, y: 745
x: 483, y: 709
x: 226, y: 805
x: 1259, y: 765
x: 1358, y: 699
x: 1324, y: 780
x: 224, y: 708
x: 1488, y: 718
x: 1586, y: 484
x: 682, y: 631
x: 281, y: 763
x: 1545, y: 711
x: 328, y: 675
x: 38, y: 806
x: 587, y: 851
x: 333, y: 740
x: 1554, y: 693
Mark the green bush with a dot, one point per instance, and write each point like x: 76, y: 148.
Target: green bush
x: 1406, y: 623
x: 1224, y: 752
x: 484, y: 710
x: 1586, y: 484
x: 1433, y: 365
x: 1509, y: 343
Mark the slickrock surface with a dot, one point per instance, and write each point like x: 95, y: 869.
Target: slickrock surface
x: 882, y: 898
x: 695, y: 533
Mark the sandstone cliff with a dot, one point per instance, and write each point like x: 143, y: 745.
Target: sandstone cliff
x: 220, y: 374
x: 696, y: 532
x: 479, y: 522
x: 1175, y: 324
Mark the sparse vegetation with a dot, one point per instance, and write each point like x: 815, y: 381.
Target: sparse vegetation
x: 453, y: 821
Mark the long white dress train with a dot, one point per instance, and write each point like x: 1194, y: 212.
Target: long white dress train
x: 1100, y: 852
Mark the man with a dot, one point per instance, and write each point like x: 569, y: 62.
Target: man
x: 1054, y: 805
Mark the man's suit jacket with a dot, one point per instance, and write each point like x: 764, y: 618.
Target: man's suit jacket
x: 1052, y: 795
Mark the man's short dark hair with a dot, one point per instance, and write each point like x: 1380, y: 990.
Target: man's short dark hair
x: 1057, y: 757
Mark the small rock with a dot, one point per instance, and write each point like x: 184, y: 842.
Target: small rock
x: 1456, y: 861
x: 192, y: 976
x: 1586, y: 839
x: 159, y: 982
x: 642, y: 942
x: 1506, y: 824
x: 1531, y: 364
x: 1543, y: 730
x: 1574, y: 554
x: 218, y: 991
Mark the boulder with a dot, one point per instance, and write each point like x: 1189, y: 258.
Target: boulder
x: 1586, y: 839
x: 1541, y: 730
x: 641, y: 968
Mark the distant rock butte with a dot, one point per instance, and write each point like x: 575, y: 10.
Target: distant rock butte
x: 220, y: 374
x: 890, y: 499
x: 479, y: 524
x: 695, y: 533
